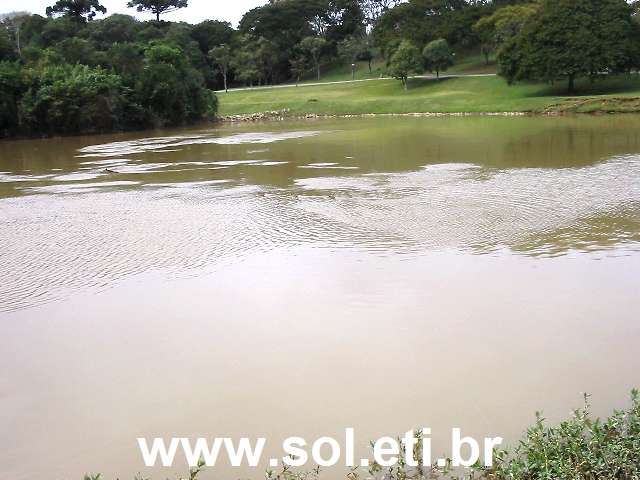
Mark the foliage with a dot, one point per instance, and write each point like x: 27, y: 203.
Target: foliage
x: 76, y: 76
x: 423, y: 21
x: 405, y: 61
x: 77, y: 9
x: 7, y: 49
x: 355, y: 48
x: 77, y: 50
x: 286, y: 23
x: 68, y: 99
x: 245, y: 62
x: 298, y: 67
x: 210, y: 33
x: 578, y: 448
x: 373, y: 9
x: 313, y: 47
x: 126, y: 59
x: 169, y: 89
x: 504, y: 24
x: 157, y: 7
x: 567, y: 39
x: 438, y: 56
x: 221, y: 56
x: 112, y: 30
x: 11, y: 88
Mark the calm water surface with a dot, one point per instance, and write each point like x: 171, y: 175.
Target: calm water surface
x: 297, y: 278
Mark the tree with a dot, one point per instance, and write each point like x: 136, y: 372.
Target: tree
x: 373, y: 9
x: 298, y: 66
x: 68, y: 99
x: 210, y: 33
x: 423, y: 21
x: 116, y: 28
x: 157, y: 7
x: 405, y: 61
x: 76, y: 9
x: 355, y: 48
x: 568, y: 39
x: 438, y: 56
x: 11, y: 88
x: 126, y: 60
x: 266, y: 56
x: 312, y: 47
x: 505, y: 23
x: 243, y: 64
x: 77, y: 50
x: 171, y: 90
x: 221, y: 56
x: 7, y: 50
x: 13, y: 22
x: 350, y: 48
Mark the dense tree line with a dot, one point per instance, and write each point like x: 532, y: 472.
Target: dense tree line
x: 70, y: 71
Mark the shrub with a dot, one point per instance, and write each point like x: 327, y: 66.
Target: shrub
x: 71, y: 99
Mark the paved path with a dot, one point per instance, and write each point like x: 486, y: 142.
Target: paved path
x: 316, y: 84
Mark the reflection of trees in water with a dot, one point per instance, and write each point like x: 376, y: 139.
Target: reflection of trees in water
x: 568, y: 147
x: 597, y: 233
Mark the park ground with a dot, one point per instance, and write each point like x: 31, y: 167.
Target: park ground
x: 468, y: 87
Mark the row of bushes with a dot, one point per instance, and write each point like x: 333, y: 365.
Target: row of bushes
x: 69, y: 76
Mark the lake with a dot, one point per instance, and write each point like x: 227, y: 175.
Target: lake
x: 297, y: 278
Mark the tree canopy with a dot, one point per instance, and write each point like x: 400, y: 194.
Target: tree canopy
x: 77, y: 9
x: 405, y: 61
x: 567, y: 39
x: 157, y: 7
x: 438, y: 56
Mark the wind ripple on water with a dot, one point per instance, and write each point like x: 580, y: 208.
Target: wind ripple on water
x: 56, y: 244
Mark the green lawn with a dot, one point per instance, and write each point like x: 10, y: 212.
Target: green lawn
x: 470, y: 94
x: 473, y: 63
x: 341, y: 72
x: 466, y: 62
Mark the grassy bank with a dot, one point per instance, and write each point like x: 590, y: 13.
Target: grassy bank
x: 449, y: 95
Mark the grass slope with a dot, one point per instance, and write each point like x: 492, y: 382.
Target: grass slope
x: 450, y: 95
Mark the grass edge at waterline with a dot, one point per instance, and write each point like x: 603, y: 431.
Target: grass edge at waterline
x: 471, y: 95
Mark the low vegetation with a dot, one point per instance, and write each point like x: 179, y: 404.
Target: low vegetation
x: 579, y: 448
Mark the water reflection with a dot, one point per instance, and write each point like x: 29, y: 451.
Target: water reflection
x: 84, y: 212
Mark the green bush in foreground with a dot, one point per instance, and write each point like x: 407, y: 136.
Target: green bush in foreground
x: 580, y: 448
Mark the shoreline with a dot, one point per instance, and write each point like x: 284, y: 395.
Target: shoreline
x: 281, y: 115
x: 284, y: 115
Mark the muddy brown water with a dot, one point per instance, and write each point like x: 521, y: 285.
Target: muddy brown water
x: 297, y: 278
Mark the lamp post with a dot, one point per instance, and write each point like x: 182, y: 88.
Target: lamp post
x: 353, y: 71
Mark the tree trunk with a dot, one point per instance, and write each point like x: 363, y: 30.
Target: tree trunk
x: 405, y: 80
x: 224, y: 76
x: 572, y: 83
x: 438, y: 73
x: 158, y: 17
x: 318, y: 68
x: 369, y: 66
x: 486, y: 58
